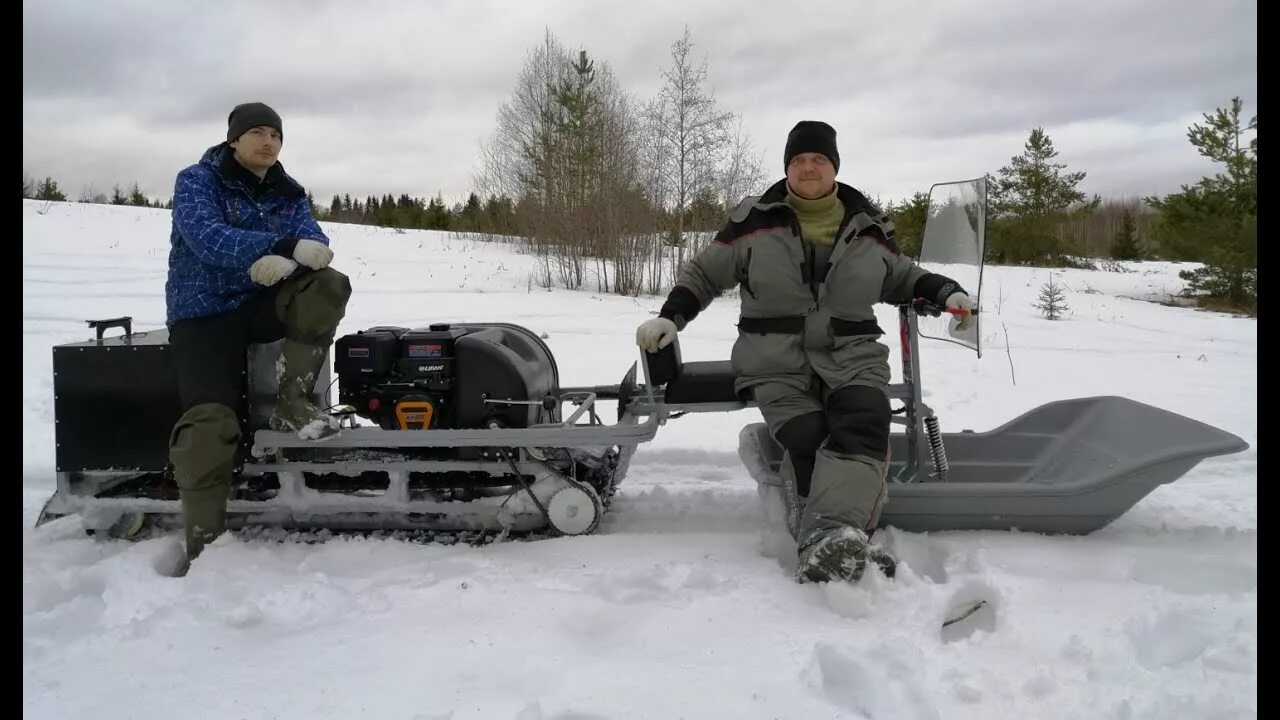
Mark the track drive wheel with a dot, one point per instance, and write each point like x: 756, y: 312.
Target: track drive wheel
x: 575, y: 510
x: 128, y: 526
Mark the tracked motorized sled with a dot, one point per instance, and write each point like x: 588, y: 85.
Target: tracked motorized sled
x: 466, y: 427
x: 472, y: 431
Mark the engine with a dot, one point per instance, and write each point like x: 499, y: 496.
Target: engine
x: 448, y: 376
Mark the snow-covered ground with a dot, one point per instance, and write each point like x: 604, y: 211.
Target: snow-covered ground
x: 681, y: 605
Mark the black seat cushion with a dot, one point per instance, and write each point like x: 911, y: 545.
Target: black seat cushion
x: 702, y: 382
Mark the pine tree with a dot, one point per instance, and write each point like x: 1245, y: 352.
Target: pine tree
x: 1030, y: 200
x: 1053, y: 300
x: 909, y: 221
x: 1125, y: 245
x: 469, y: 217
x: 437, y: 215
x: 48, y: 190
x: 1216, y: 220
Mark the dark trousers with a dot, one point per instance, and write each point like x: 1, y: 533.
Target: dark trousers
x: 837, y: 451
x: 210, y: 355
x: 854, y: 421
x: 210, y: 351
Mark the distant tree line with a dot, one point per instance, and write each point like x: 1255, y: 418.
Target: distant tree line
x: 48, y: 189
x: 490, y: 216
x: 1037, y: 216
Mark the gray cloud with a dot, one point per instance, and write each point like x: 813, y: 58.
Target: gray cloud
x: 398, y: 97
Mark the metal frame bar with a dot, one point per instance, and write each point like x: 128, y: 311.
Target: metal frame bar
x: 629, y: 430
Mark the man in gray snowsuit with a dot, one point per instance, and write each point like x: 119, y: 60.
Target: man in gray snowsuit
x: 811, y: 257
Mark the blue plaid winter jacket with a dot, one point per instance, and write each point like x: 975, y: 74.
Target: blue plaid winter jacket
x: 221, y: 226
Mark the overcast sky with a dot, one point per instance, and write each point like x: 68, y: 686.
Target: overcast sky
x: 398, y: 98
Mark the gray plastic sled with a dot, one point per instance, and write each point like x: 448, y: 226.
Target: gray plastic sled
x: 1068, y: 467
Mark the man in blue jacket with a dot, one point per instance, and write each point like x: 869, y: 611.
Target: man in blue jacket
x: 248, y: 264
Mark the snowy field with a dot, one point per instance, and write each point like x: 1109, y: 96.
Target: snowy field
x: 681, y: 606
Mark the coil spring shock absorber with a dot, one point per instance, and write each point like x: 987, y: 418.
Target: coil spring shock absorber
x: 936, y: 449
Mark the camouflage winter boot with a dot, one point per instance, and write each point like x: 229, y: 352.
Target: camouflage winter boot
x: 204, y: 515
x: 793, y: 502
x: 202, y: 448
x: 841, y: 554
x: 296, y: 372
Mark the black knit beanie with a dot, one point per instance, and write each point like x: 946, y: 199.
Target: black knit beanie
x: 811, y: 136
x: 251, y: 115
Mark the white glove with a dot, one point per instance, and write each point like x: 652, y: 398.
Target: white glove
x: 655, y: 334
x: 961, y: 301
x: 315, y: 255
x: 271, y: 269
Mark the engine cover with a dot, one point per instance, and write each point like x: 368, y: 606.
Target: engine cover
x: 448, y: 376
